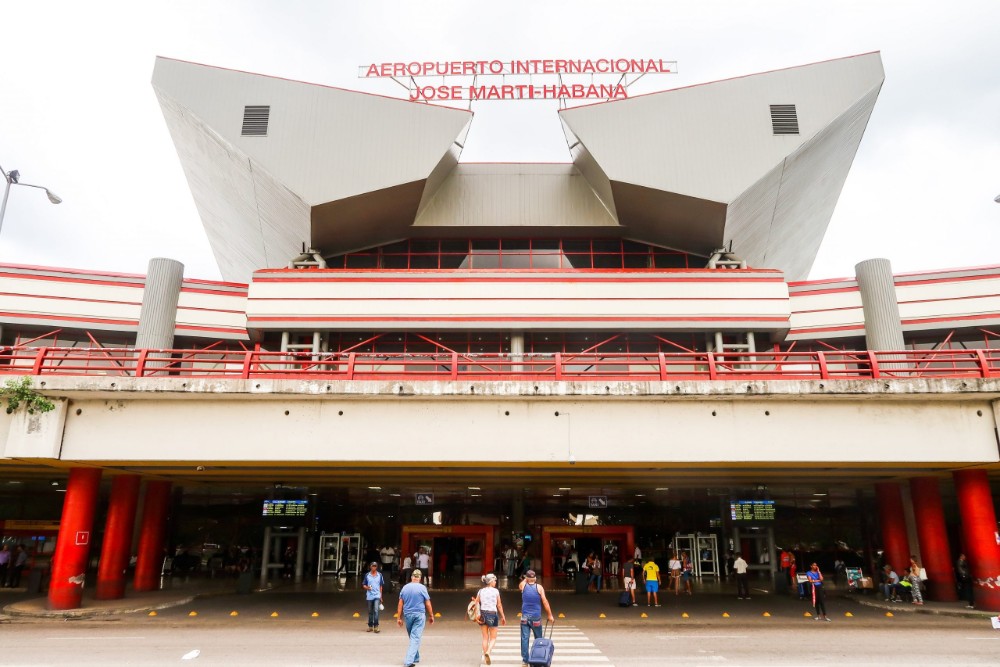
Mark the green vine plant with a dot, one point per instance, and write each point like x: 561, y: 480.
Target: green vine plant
x: 18, y: 392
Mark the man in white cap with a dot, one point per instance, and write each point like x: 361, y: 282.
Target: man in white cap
x: 414, y: 601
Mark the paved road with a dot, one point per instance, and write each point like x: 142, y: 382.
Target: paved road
x: 622, y: 639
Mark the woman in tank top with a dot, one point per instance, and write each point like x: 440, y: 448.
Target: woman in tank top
x: 491, y: 613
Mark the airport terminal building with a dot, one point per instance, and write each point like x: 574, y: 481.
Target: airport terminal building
x: 621, y: 350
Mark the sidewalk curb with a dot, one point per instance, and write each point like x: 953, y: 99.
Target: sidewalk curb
x: 924, y: 609
x: 13, y: 611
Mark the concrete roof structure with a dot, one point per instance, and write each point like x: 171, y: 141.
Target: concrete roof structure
x: 691, y: 169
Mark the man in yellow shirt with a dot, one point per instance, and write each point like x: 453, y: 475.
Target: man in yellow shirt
x: 651, y: 575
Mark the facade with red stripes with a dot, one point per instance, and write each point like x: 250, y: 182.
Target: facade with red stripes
x: 511, y: 342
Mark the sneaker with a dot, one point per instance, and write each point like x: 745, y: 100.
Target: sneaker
x: 656, y: 605
x: 826, y: 619
x: 969, y: 606
x: 634, y: 604
x: 486, y: 659
x: 815, y: 618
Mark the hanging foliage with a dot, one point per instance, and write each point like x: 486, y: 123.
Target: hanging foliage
x: 18, y: 392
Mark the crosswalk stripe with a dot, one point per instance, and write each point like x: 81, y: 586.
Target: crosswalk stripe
x: 573, y: 648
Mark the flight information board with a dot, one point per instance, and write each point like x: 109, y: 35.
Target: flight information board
x: 285, y: 508
x: 751, y: 510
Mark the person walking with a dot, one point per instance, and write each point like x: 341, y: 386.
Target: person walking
x: 387, y: 555
x: 510, y: 561
x: 964, y: 575
x: 742, y: 585
x: 651, y: 575
x: 913, y: 576
x: 630, y: 575
x: 818, y: 595
x: 413, y: 610
x: 491, y: 613
x: 373, y: 584
x: 533, y: 601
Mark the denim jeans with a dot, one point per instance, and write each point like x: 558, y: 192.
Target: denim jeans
x: 415, y: 629
x: 373, y: 613
x: 529, y: 625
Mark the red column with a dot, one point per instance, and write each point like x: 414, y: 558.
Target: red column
x: 979, y: 532
x: 152, y: 536
x: 69, y: 562
x: 890, y: 514
x: 935, y: 553
x: 117, y: 546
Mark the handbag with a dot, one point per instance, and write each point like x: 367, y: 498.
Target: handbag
x: 473, y: 612
x: 923, y: 574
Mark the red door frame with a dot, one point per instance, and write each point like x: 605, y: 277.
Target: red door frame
x: 549, y: 533
x: 417, y: 532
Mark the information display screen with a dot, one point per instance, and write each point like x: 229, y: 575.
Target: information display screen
x: 751, y: 510
x: 282, y: 509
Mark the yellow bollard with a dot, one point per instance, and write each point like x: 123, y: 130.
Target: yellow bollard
x: 848, y: 614
x: 315, y: 614
x: 152, y: 613
x: 685, y: 615
x: 193, y: 613
x: 767, y: 614
x: 889, y: 614
x: 437, y: 614
x: 602, y: 616
x: 725, y: 614
x: 807, y: 615
x: 274, y: 614
x: 519, y: 614
x: 394, y: 615
x: 561, y: 615
x: 356, y: 615
x: 234, y: 613
x: 643, y: 615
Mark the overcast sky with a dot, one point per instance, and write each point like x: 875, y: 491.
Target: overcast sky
x: 78, y: 114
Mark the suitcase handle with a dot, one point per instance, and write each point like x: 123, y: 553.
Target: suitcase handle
x: 548, y: 628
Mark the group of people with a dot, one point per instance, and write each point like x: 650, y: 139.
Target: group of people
x: 12, y: 564
x: 414, y: 610
x: 681, y: 576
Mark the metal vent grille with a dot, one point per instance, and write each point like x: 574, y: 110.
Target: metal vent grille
x: 784, y: 119
x: 255, y: 121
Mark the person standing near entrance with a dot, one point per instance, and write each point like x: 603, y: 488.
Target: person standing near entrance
x: 4, y: 564
x: 387, y: 555
x: 674, y: 565
x: 533, y: 600
x: 17, y: 563
x: 424, y: 563
x: 818, y: 595
x: 510, y: 560
x: 687, y: 572
x: 651, y: 575
x: 491, y: 612
x: 964, y: 575
x: 413, y: 610
x: 742, y: 586
x: 406, y: 569
x: 630, y: 575
x: 373, y: 584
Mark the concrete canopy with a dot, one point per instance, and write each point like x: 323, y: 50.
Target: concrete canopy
x: 699, y: 167
x: 342, y: 168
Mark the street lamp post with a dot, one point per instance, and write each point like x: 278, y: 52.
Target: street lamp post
x: 13, y: 177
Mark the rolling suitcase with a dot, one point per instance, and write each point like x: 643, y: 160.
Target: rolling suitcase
x: 540, y: 654
x: 625, y: 599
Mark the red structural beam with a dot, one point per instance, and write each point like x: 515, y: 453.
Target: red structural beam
x: 451, y: 365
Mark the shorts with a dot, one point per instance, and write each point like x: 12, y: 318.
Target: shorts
x: 491, y: 619
x: 652, y: 587
x: 687, y: 574
x: 629, y: 584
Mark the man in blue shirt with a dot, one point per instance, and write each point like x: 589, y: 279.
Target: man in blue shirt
x: 373, y: 584
x: 533, y: 601
x: 414, y: 601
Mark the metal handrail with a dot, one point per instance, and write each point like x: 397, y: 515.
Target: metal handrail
x: 576, y: 367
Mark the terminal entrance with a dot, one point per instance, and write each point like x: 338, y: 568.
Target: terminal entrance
x: 560, y: 543
x: 456, y: 552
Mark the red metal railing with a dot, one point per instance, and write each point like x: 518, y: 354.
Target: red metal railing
x: 576, y: 367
